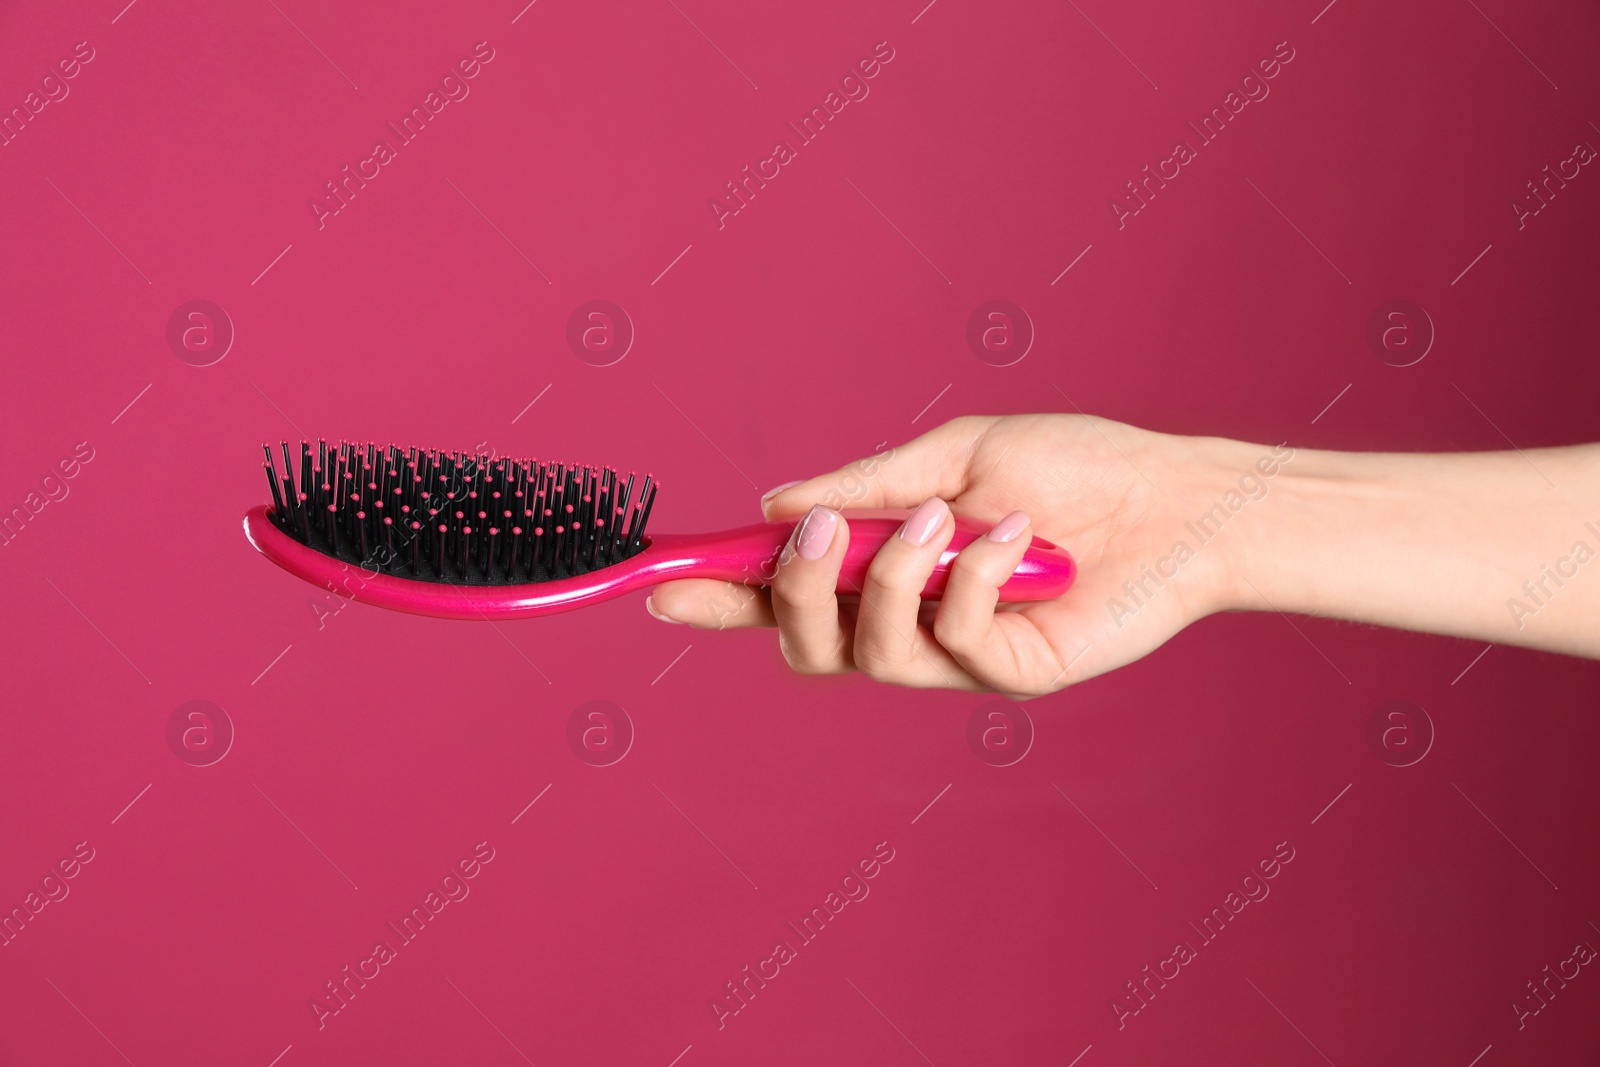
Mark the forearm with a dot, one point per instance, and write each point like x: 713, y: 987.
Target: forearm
x: 1498, y: 546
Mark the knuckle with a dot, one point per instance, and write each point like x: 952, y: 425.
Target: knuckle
x: 794, y: 592
x: 977, y: 567
x: 877, y: 673
x: 784, y: 599
x: 884, y: 656
x: 961, y: 424
x: 887, y: 572
x: 873, y: 661
x: 800, y: 659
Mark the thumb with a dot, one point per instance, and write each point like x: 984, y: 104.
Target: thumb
x: 902, y: 476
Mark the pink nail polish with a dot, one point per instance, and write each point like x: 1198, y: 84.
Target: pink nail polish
x: 924, y: 522
x: 650, y: 606
x: 775, y: 490
x: 816, y: 533
x: 1009, y: 527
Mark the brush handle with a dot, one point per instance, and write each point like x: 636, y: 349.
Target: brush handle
x: 750, y: 555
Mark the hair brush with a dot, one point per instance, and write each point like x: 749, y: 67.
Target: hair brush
x: 461, y: 536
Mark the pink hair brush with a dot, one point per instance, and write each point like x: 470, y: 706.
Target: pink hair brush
x: 461, y: 536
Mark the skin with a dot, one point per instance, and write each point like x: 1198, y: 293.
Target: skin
x: 1492, y: 546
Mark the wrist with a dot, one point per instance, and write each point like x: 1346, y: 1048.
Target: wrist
x: 1227, y: 511
x: 1322, y: 533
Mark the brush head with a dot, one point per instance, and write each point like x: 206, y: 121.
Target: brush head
x: 457, y: 517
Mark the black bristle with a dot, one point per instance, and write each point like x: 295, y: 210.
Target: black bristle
x: 647, y: 499
x: 305, y: 469
x: 456, y: 517
x: 277, y: 497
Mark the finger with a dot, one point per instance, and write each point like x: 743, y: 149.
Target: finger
x: 710, y: 605
x: 1001, y: 649
x: 889, y: 645
x: 810, y: 631
x: 934, y: 464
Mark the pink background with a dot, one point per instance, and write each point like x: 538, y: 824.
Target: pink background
x: 376, y: 750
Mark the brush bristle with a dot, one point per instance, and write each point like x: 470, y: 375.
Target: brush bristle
x: 457, y: 517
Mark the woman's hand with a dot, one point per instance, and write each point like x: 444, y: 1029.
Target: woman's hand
x: 1115, y: 496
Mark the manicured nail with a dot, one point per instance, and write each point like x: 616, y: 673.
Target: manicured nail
x: 774, y: 491
x: 1009, y: 527
x: 924, y: 522
x: 816, y: 532
x: 650, y: 606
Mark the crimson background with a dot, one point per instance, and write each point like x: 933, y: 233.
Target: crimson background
x: 821, y: 320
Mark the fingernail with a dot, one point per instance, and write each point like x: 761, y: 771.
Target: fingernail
x: 924, y: 521
x: 775, y: 490
x: 650, y: 606
x: 1009, y: 527
x: 816, y: 532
